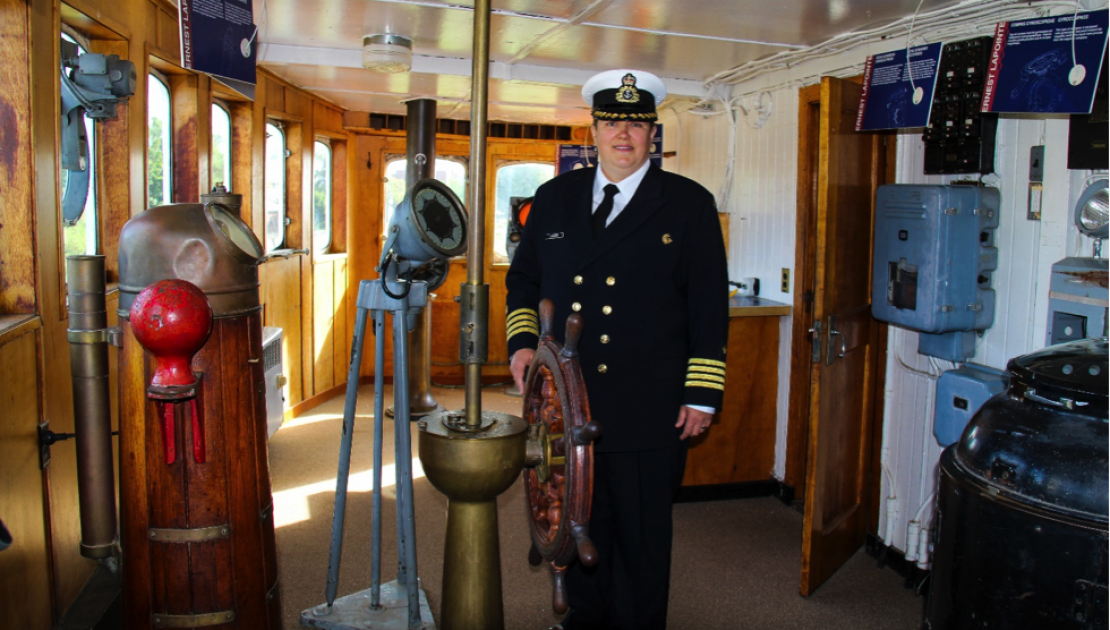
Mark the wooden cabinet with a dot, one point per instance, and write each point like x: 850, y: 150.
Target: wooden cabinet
x: 740, y: 445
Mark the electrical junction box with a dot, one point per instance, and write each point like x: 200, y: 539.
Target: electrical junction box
x: 934, y: 255
x: 1077, y: 300
x: 960, y: 394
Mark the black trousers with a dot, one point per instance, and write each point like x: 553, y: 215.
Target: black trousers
x: 631, y: 525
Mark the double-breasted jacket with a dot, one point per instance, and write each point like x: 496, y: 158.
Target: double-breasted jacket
x: 652, y: 290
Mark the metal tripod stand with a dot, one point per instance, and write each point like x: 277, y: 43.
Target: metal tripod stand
x: 401, y: 604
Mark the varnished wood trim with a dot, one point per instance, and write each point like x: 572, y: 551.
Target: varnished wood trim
x: 759, y: 311
x: 13, y: 327
x: 77, y: 13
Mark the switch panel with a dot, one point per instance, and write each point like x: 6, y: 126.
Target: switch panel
x: 960, y: 138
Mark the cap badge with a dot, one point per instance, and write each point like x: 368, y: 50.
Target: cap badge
x: 627, y: 92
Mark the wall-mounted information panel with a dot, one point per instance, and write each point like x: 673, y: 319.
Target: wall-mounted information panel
x: 960, y: 138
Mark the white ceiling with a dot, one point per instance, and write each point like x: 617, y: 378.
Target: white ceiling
x: 541, y: 50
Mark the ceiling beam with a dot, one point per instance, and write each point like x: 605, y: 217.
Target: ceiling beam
x: 285, y: 54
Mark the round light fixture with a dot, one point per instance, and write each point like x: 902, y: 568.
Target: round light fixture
x: 1092, y: 211
x: 387, y: 53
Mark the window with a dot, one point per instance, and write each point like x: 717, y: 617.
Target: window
x: 321, y: 196
x: 221, y: 145
x: 514, y: 180
x: 159, y: 167
x: 274, y: 193
x: 81, y: 238
x: 449, y: 171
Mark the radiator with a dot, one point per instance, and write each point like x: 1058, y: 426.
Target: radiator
x: 275, y: 380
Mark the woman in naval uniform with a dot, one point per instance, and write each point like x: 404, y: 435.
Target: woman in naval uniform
x: 638, y: 252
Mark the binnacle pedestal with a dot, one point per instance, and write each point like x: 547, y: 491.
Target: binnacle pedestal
x: 472, y: 466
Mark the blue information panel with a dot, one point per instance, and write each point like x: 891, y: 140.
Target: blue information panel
x: 573, y: 156
x: 1033, y: 67
x: 890, y: 100
x: 217, y: 38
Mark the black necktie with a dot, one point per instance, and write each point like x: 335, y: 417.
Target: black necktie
x: 604, y: 209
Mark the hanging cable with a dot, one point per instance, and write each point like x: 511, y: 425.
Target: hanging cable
x: 407, y: 282
x: 909, y: 43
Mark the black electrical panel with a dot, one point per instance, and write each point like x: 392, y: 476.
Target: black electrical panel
x: 960, y: 138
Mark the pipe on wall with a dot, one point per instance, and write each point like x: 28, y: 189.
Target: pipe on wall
x: 88, y: 359
x: 420, y: 149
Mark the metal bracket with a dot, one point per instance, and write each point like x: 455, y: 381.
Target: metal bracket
x: 815, y: 339
x: 194, y: 621
x: 184, y: 536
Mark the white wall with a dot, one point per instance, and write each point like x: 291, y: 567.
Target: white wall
x: 761, y: 242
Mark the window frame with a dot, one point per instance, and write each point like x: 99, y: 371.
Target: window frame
x: 229, y: 169
x: 154, y: 74
x: 502, y: 258
x: 284, y: 219
x: 329, y: 200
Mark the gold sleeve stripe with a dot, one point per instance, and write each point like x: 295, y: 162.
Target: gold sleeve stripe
x: 520, y: 325
x: 710, y: 362
x: 706, y: 377
x: 705, y: 384
x: 705, y: 370
x: 522, y: 317
x: 522, y: 329
x: 520, y: 311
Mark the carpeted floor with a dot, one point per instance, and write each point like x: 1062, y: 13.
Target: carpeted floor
x: 736, y: 563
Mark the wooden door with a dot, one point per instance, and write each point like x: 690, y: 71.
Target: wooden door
x: 843, y: 367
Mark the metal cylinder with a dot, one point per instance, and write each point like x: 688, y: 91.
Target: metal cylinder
x: 472, y: 469
x: 88, y: 361
x: 420, y: 144
x: 479, y: 115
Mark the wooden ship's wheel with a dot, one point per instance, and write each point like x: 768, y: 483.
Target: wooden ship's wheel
x: 558, y: 482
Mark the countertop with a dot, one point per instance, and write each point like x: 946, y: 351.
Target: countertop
x: 747, y: 306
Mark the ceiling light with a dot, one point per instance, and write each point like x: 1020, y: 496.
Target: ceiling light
x: 387, y: 53
x: 1092, y: 212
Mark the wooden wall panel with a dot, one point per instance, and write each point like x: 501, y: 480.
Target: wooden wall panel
x: 24, y: 567
x: 282, y: 307
x: 186, y: 129
x: 323, y: 342
x: 17, y: 271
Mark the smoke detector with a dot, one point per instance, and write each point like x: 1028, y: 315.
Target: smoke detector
x: 387, y: 53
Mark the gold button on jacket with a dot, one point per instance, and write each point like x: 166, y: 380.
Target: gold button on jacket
x: 576, y: 307
x: 605, y: 309
x: 610, y: 281
x: 577, y: 279
x: 605, y: 339
x: 603, y: 368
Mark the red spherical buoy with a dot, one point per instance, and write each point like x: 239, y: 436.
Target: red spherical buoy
x: 172, y: 320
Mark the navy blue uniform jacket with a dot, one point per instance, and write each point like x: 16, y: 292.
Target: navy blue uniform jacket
x: 652, y: 291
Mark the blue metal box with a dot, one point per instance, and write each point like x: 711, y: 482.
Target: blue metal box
x: 1077, y: 304
x: 934, y: 256
x: 960, y: 394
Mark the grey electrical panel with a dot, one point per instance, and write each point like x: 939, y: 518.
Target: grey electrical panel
x: 1077, y: 300
x: 934, y: 255
x: 960, y: 393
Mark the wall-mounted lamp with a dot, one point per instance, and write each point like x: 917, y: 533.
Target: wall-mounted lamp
x: 387, y: 53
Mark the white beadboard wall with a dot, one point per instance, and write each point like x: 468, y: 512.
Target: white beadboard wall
x: 761, y: 206
x: 761, y: 243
